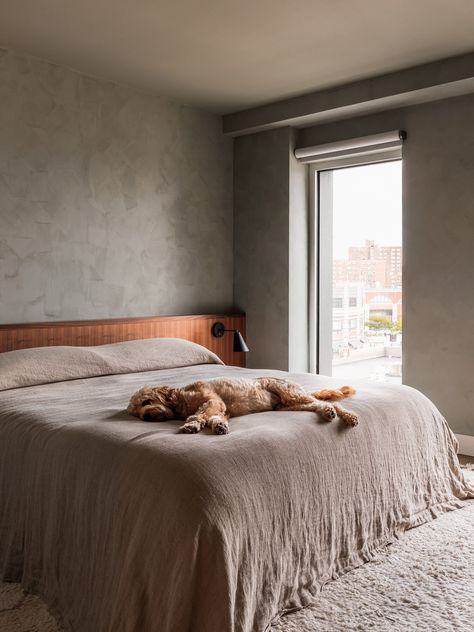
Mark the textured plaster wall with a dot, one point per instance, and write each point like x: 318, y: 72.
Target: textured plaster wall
x: 261, y: 273
x: 438, y: 246
x: 112, y: 202
x: 270, y: 249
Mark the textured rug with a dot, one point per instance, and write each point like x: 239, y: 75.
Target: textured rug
x: 20, y: 612
x: 422, y: 582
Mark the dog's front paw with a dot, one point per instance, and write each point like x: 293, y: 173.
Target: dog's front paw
x: 219, y: 426
x: 328, y: 412
x: 190, y: 427
x: 197, y: 421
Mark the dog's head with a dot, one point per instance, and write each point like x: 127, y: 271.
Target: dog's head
x: 153, y: 404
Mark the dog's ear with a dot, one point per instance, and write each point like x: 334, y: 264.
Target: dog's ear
x: 169, y: 394
x: 142, y: 390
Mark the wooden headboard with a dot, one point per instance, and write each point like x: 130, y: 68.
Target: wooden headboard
x: 87, y: 333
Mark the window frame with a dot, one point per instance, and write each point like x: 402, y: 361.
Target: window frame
x: 320, y: 252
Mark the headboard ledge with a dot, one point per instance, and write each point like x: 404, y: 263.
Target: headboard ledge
x: 86, y: 333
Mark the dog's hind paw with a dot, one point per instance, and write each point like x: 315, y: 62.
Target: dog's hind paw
x: 328, y: 412
x: 350, y: 419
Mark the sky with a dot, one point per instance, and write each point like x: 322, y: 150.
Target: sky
x: 367, y: 204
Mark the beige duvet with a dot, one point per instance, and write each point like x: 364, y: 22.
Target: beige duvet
x: 127, y: 526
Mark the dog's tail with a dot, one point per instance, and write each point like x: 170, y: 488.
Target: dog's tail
x: 335, y: 394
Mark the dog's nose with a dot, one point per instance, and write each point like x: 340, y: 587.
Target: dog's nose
x: 147, y: 417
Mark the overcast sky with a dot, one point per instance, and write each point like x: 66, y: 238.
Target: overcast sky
x: 367, y: 204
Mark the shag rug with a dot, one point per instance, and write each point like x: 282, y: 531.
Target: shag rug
x: 424, y: 581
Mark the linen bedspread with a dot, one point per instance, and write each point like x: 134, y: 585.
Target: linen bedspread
x: 127, y: 526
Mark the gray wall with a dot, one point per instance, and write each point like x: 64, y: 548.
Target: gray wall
x: 261, y: 251
x: 438, y: 233
x: 112, y: 202
x: 270, y: 249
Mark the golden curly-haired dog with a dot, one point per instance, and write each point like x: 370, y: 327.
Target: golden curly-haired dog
x: 213, y: 402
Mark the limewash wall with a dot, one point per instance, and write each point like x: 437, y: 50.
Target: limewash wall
x: 112, y: 202
x: 438, y: 245
x: 271, y: 249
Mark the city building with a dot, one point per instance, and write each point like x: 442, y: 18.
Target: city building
x: 370, y: 272
x: 348, y: 314
x: 384, y: 303
x: 371, y: 264
x: 392, y: 255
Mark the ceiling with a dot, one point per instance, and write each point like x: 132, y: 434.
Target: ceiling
x: 227, y: 55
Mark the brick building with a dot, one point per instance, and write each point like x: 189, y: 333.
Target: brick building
x: 375, y: 266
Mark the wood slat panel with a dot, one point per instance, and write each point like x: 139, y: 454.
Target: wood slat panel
x: 87, y: 333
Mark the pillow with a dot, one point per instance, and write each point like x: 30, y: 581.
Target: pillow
x: 43, y: 365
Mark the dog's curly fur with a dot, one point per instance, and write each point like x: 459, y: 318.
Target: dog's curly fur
x: 213, y: 402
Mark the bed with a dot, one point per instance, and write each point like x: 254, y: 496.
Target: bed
x: 126, y: 526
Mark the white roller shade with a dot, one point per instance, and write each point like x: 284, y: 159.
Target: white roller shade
x: 388, y: 142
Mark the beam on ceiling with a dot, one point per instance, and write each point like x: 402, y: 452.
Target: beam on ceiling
x: 441, y: 79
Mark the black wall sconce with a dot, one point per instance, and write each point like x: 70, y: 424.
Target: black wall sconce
x: 218, y: 330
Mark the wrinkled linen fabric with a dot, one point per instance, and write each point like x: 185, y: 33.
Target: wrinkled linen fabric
x: 127, y: 526
x: 420, y: 583
x: 44, y: 365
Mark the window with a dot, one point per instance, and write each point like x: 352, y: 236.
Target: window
x: 357, y: 271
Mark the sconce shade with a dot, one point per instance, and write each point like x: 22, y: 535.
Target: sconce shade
x: 239, y: 342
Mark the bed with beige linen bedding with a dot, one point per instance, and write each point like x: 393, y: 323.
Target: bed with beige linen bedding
x: 126, y: 526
